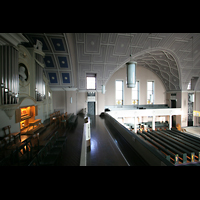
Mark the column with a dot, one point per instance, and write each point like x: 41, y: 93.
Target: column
x: 135, y: 124
x: 153, y: 123
x: 170, y: 122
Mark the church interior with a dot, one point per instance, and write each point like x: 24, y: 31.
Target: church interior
x: 100, y: 99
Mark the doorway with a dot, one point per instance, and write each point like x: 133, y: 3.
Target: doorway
x: 91, y: 108
x: 173, y: 105
x: 190, y: 110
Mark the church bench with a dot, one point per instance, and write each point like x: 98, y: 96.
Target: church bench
x: 49, y: 154
x: 44, y: 159
x: 72, y: 120
x: 8, y: 136
x: 22, y: 153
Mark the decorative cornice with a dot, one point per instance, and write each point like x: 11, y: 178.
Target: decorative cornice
x: 12, y: 38
x: 9, y: 109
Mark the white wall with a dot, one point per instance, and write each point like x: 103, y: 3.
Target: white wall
x: 142, y: 75
x: 61, y: 100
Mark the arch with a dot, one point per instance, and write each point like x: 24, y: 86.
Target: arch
x: 163, y: 62
x: 27, y: 101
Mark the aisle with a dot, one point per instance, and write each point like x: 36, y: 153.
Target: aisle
x: 104, y: 151
x: 72, y: 149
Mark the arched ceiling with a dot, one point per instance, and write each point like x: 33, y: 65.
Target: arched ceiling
x: 70, y: 56
x: 163, y: 64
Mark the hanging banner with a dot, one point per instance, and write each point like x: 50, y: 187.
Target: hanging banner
x: 196, y: 113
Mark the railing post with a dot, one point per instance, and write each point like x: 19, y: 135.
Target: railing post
x: 192, y: 157
x: 176, y: 159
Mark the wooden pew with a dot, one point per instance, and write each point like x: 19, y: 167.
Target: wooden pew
x: 8, y: 136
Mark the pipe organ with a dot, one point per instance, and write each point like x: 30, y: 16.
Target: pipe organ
x: 23, y: 104
x: 39, y: 84
x: 9, y: 75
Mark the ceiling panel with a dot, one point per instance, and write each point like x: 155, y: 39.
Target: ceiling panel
x: 122, y: 45
x: 49, y: 61
x: 57, y: 57
x: 92, y: 43
x: 66, y: 77
x: 169, y: 55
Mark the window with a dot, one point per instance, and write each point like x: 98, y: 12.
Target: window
x: 189, y: 86
x: 91, y: 81
x: 119, y: 92
x: 150, y: 92
x: 135, y: 94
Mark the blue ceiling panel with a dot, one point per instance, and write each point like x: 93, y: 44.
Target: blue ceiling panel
x: 58, y: 44
x: 66, y: 78
x: 53, y: 77
x: 63, y: 61
x: 49, y: 61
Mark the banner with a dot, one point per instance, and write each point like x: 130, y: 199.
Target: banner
x: 196, y: 113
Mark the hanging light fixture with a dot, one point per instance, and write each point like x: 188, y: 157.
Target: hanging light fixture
x: 131, y: 71
x: 103, y: 89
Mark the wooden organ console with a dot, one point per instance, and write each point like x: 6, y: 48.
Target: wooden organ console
x: 26, y: 117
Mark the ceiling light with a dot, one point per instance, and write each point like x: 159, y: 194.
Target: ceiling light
x: 131, y: 71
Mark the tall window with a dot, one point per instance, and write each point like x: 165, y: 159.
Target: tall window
x: 150, y: 92
x: 119, y: 87
x: 135, y: 94
x: 91, y: 81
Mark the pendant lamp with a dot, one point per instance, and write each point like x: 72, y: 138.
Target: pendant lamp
x: 131, y: 71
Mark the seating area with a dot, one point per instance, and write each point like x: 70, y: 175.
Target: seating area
x: 8, y: 136
x: 22, y: 150
x: 147, y: 125
x: 50, y: 153
x: 21, y: 153
x: 174, y: 145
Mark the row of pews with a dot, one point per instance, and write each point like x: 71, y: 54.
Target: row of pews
x: 49, y: 154
x: 27, y: 149
x: 175, y: 146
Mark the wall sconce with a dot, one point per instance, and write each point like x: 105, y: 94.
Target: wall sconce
x: 70, y: 99
x: 103, y: 89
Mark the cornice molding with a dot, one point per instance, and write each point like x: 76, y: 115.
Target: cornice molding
x: 12, y: 38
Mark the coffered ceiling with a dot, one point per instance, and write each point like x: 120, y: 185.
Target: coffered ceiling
x: 174, y: 57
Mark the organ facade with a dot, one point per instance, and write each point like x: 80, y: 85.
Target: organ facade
x: 25, y: 101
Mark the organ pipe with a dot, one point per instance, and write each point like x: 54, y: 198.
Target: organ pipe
x: 9, y: 73
x: 39, y: 78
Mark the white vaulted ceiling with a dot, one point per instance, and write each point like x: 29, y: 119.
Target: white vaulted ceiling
x: 169, y: 55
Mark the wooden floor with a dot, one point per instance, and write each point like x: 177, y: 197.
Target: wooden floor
x: 72, y: 149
